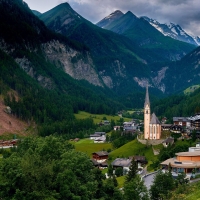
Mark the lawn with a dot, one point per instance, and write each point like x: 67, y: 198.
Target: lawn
x: 98, y: 118
x: 88, y: 146
x: 133, y: 148
x: 120, y: 181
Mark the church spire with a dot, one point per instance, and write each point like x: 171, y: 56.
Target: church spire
x: 147, y: 97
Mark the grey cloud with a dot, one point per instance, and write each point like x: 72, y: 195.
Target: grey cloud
x: 183, y: 12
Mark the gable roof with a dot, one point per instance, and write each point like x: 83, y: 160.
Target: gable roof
x: 101, y: 153
x: 154, y: 119
x: 121, y: 162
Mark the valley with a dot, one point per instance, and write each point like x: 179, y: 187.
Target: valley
x: 72, y: 93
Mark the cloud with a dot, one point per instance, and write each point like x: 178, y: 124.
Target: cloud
x: 183, y: 12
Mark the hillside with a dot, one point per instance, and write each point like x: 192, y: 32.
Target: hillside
x: 9, y: 123
x: 48, y: 96
x: 118, y: 60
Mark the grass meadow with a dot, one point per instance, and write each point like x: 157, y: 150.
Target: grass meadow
x: 88, y: 146
x: 98, y: 118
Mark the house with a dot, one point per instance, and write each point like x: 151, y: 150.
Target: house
x: 101, y: 139
x: 164, y: 119
x: 106, y: 122
x: 122, y: 162
x: 195, y: 121
x: 168, y: 141
x: 187, y: 162
x: 176, y: 128
x: 97, y: 135
x: 100, y: 156
x: 166, y: 127
x: 181, y: 121
x: 141, y: 160
x: 102, y: 165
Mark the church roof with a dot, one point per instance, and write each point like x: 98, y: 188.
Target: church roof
x: 147, y: 98
x: 154, y: 119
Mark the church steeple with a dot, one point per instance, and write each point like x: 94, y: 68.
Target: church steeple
x: 147, y: 102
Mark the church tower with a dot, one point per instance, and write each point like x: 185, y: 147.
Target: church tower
x: 147, y: 115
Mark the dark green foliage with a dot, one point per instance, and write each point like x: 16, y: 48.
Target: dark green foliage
x: 49, y: 168
x: 170, y: 151
x: 135, y: 189
x: 119, y: 138
x: 177, y: 105
x: 119, y: 171
x: 112, y: 192
x: 43, y: 169
x: 162, y: 186
x: 133, y: 169
x: 110, y: 171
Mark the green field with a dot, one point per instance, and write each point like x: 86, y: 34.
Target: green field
x: 120, y: 181
x: 88, y: 146
x: 191, y: 89
x: 133, y: 148
x: 97, y: 118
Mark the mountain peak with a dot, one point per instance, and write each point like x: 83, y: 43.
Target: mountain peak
x: 110, y: 18
x: 130, y: 13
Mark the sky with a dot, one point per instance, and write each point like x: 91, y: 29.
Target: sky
x: 185, y: 13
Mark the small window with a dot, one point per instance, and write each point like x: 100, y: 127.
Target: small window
x: 147, y: 112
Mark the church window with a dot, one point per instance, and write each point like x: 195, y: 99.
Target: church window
x: 147, y: 112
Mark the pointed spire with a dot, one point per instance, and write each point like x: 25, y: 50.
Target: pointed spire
x: 147, y: 97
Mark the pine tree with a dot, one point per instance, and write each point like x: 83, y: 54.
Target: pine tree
x: 132, y: 171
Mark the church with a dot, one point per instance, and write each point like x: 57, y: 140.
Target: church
x: 152, y: 126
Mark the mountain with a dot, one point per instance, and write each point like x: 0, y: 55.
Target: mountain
x: 174, y: 31
x: 118, y: 60
x: 33, y: 81
x: 147, y: 37
x: 110, y: 18
x: 37, y: 13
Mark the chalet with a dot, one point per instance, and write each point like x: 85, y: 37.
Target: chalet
x: 100, y: 156
x: 122, y: 162
x: 106, y: 122
x: 97, y: 135
x: 164, y: 119
x: 195, y: 120
x: 176, y: 129
x: 141, y: 160
x: 101, y: 139
x: 102, y: 165
x: 166, y: 127
x: 181, y: 121
x: 168, y: 141
x: 186, y: 162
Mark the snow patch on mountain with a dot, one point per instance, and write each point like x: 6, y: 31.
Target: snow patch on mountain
x: 174, y: 31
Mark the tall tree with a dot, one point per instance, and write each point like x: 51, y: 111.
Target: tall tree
x: 135, y: 189
x: 132, y: 171
x: 162, y: 185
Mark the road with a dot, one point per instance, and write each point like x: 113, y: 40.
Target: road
x: 148, y: 180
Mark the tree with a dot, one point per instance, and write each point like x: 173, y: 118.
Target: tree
x: 132, y: 171
x: 110, y: 170
x: 48, y: 168
x: 112, y: 192
x: 135, y: 189
x: 194, y: 135
x: 162, y: 185
x: 119, y: 171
